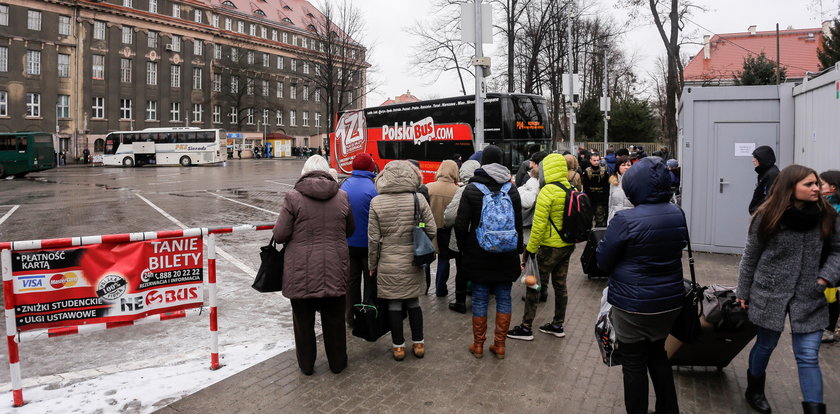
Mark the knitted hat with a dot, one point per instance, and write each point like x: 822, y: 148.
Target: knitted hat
x: 491, y: 155
x: 364, y: 162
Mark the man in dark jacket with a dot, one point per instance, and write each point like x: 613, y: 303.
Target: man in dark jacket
x: 525, y: 167
x: 596, y: 185
x: 583, y: 157
x: 360, y: 189
x: 764, y: 160
x: 609, y: 159
x: 642, y: 253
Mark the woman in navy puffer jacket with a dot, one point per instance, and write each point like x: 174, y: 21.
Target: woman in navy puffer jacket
x: 642, y: 252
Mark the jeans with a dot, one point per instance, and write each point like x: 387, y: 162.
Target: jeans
x: 481, y: 297
x: 638, y: 359
x: 442, y: 275
x: 554, y: 264
x: 806, y: 350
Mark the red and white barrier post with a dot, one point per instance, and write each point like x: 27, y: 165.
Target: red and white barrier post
x: 213, y: 299
x: 11, y: 327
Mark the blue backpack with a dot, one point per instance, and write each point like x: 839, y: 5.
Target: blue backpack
x: 496, y: 232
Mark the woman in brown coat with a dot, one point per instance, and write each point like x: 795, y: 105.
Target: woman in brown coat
x: 314, y: 224
x: 391, y: 250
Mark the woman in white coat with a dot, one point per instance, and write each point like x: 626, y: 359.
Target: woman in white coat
x: 618, y: 200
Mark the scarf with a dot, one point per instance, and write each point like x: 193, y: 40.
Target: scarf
x: 802, y: 219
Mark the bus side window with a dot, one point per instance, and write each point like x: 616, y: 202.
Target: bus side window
x: 7, y: 144
x: 21, y: 144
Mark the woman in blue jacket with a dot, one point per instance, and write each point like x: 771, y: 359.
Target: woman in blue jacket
x: 642, y: 252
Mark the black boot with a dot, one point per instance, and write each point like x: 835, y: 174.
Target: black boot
x: 813, y: 408
x: 458, y: 307
x: 755, y: 394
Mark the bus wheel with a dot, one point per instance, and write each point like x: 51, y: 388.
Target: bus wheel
x: 186, y: 161
x: 21, y: 175
x: 128, y: 162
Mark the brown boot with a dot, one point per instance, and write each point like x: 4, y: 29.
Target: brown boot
x: 479, y: 325
x: 502, y: 325
x: 399, y: 352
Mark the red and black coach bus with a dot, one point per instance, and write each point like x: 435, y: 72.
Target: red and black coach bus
x: 435, y: 130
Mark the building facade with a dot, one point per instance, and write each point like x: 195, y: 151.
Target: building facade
x: 83, y: 68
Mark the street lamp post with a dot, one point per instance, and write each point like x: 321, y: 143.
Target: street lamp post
x: 605, y: 103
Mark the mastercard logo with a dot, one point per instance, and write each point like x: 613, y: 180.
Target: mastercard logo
x: 62, y: 280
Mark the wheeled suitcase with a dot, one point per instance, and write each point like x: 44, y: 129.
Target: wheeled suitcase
x: 587, y: 259
x: 717, y: 347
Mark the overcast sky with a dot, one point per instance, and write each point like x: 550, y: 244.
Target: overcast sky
x: 386, y: 23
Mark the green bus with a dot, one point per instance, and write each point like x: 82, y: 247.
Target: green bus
x: 25, y: 152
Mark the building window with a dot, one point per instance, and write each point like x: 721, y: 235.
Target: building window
x: 305, y: 93
x: 285, y: 37
x: 234, y: 84
x: 250, y: 57
x: 228, y: 24
x: 33, y: 104
x: 175, y: 112
x: 176, y: 43
x: 263, y: 32
x: 33, y: 62
x: 293, y: 91
x: 250, y: 116
x: 128, y: 3
x: 98, y: 108
x: 62, y: 106
x: 252, y: 30
x: 274, y: 35
x: 217, y: 51
x: 305, y: 116
x: 198, y: 47
x: 98, y: 66
x: 265, y: 117
x: 293, y: 65
x: 152, y: 40
x: 151, y: 73
x: 176, y: 11
x: 266, y: 60
x: 234, y: 54
x: 240, y: 27
x: 64, y: 25
x: 214, y: 20
x: 306, y: 67
x: 217, y: 114
x: 303, y: 42
x: 318, y: 119
x: 128, y: 35
x: 197, y: 75
x: 279, y: 89
x: 98, y: 30
x: 280, y: 62
x: 125, y: 70
x: 63, y: 65
x: 197, y: 16
x: 4, y: 59
x: 198, y: 113
x: 33, y: 20
x: 153, y: 6
x: 217, y: 82
x: 4, y: 103
x: 317, y: 95
x: 4, y: 16
x: 234, y: 115
x: 292, y: 116
x: 265, y: 91
x: 294, y: 40
x: 175, y: 76
x: 151, y: 110
x: 349, y: 97
x: 249, y: 86
x: 279, y: 116
x: 125, y: 109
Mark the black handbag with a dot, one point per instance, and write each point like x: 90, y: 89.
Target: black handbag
x: 270, y: 275
x: 424, y: 250
x: 686, y: 327
x: 370, y: 318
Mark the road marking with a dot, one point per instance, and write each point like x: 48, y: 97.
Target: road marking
x: 278, y: 183
x: 236, y: 262
x: 5, y: 216
x: 244, y: 204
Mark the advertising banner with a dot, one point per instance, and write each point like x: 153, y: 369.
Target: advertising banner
x: 106, y: 283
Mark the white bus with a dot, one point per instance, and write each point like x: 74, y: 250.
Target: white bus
x: 165, y: 146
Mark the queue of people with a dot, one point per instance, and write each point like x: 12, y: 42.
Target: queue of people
x: 490, y: 226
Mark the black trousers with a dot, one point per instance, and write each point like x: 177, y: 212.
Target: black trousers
x: 639, y: 359
x: 359, y: 273
x: 332, y: 322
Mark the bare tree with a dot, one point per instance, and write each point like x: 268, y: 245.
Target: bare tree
x: 243, y: 88
x: 439, y: 49
x: 510, y: 27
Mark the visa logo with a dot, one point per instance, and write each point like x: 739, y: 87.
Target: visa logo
x: 30, y: 283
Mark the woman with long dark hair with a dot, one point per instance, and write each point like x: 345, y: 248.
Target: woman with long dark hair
x: 830, y: 188
x: 781, y: 276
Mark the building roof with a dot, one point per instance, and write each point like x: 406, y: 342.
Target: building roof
x: 299, y: 14
x: 407, y: 97
x: 798, y: 50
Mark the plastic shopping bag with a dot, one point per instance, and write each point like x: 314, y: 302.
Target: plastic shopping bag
x: 605, y: 336
x: 531, y: 275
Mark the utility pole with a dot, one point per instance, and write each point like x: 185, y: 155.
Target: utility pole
x: 571, y: 82
x: 479, y: 80
x: 606, y: 100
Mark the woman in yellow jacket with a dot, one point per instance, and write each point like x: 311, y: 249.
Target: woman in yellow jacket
x: 552, y: 252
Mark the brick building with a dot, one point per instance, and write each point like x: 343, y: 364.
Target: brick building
x: 84, y: 68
